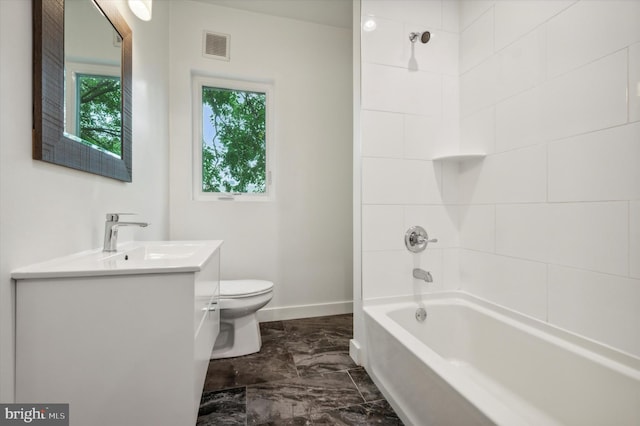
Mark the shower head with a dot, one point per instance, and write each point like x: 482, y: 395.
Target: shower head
x: 424, y: 37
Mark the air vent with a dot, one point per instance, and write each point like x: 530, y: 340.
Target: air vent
x: 215, y: 46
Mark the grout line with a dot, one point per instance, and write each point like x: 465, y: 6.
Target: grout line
x: 356, y: 385
x: 629, y: 260
x: 493, y: 33
x: 546, y: 175
x: 246, y: 405
x: 629, y: 84
x: 548, y: 263
x: 461, y: 29
x: 546, y: 310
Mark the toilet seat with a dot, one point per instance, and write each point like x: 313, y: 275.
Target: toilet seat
x: 232, y: 289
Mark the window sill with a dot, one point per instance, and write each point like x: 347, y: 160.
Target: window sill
x: 226, y: 198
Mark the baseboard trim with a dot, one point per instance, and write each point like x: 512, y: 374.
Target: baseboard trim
x: 355, y: 351
x: 305, y: 311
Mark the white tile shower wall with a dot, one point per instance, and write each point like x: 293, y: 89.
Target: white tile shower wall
x: 397, y: 181
x: 517, y: 176
x: 478, y: 227
x: 593, y: 236
x: 389, y: 273
x: 470, y: 10
x: 550, y: 220
x: 386, y: 88
x: 521, y: 66
x: 440, y: 55
x: 423, y: 12
x: 382, y: 134
x: 521, y: 284
x: 576, y: 178
x: 451, y: 17
x: 478, y: 87
x: 450, y: 114
x: 382, y: 226
x: 519, y: 120
x: 478, y: 131
x: 515, y: 18
x: 608, y: 308
x: 476, y: 42
x: 417, y: 129
x: 442, y: 223
x: 383, y: 45
x: 410, y: 113
x: 589, y: 98
x: 573, y: 41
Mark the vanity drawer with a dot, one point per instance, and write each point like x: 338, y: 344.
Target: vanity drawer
x: 206, y: 294
x: 205, y: 306
x: 206, y: 320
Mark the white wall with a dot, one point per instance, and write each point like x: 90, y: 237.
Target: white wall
x: 301, y: 240
x: 550, y: 219
x: 549, y: 222
x: 48, y: 211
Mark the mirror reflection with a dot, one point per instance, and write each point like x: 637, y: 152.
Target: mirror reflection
x: 92, y: 62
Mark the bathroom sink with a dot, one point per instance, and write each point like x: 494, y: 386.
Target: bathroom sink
x: 140, y: 257
x: 162, y: 251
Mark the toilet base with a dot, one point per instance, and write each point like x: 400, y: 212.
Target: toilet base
x: 238, y: 337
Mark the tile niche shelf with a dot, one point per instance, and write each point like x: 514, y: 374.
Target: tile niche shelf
x: 455, y: 158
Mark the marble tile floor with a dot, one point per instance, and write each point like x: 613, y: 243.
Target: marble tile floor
x: 303, y: 375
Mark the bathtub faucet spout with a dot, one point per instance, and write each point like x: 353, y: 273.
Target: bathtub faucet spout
x: 422, y: 275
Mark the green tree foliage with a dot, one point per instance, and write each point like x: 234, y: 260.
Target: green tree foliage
x: 234, y: 157
x: 99, y: 119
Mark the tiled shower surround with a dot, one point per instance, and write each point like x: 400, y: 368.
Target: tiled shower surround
x: 548, y: 223
x: 303, y: 375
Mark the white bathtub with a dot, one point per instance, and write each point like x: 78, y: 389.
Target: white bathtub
x: 471, y: 362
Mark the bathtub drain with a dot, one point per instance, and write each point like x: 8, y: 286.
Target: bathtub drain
x: 421, y: 314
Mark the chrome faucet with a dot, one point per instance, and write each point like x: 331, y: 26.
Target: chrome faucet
x: 111, y: 230
x: 422, y: 275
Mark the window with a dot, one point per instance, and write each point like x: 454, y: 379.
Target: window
x: 98, y: 120
x: 232, y: 140
x: 93, y: 103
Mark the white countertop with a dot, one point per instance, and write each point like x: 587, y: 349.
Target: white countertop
x: 137, y: 257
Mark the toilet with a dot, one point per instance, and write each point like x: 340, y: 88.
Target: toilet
x: 239, y: 330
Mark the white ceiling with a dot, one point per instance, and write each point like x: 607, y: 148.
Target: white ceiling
x: 336, y: 13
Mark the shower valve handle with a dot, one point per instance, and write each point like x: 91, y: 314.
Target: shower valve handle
x: 420, y: 239
x: 416, y: 239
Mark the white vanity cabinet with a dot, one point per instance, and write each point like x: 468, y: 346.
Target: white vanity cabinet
x: 124, y: 343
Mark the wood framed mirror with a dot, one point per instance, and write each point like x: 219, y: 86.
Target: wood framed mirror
x: 52, y: 140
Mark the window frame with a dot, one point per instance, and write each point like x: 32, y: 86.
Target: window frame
x: 200, y: 81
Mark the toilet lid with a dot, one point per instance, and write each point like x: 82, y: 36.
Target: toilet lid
x: 244, y: 288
